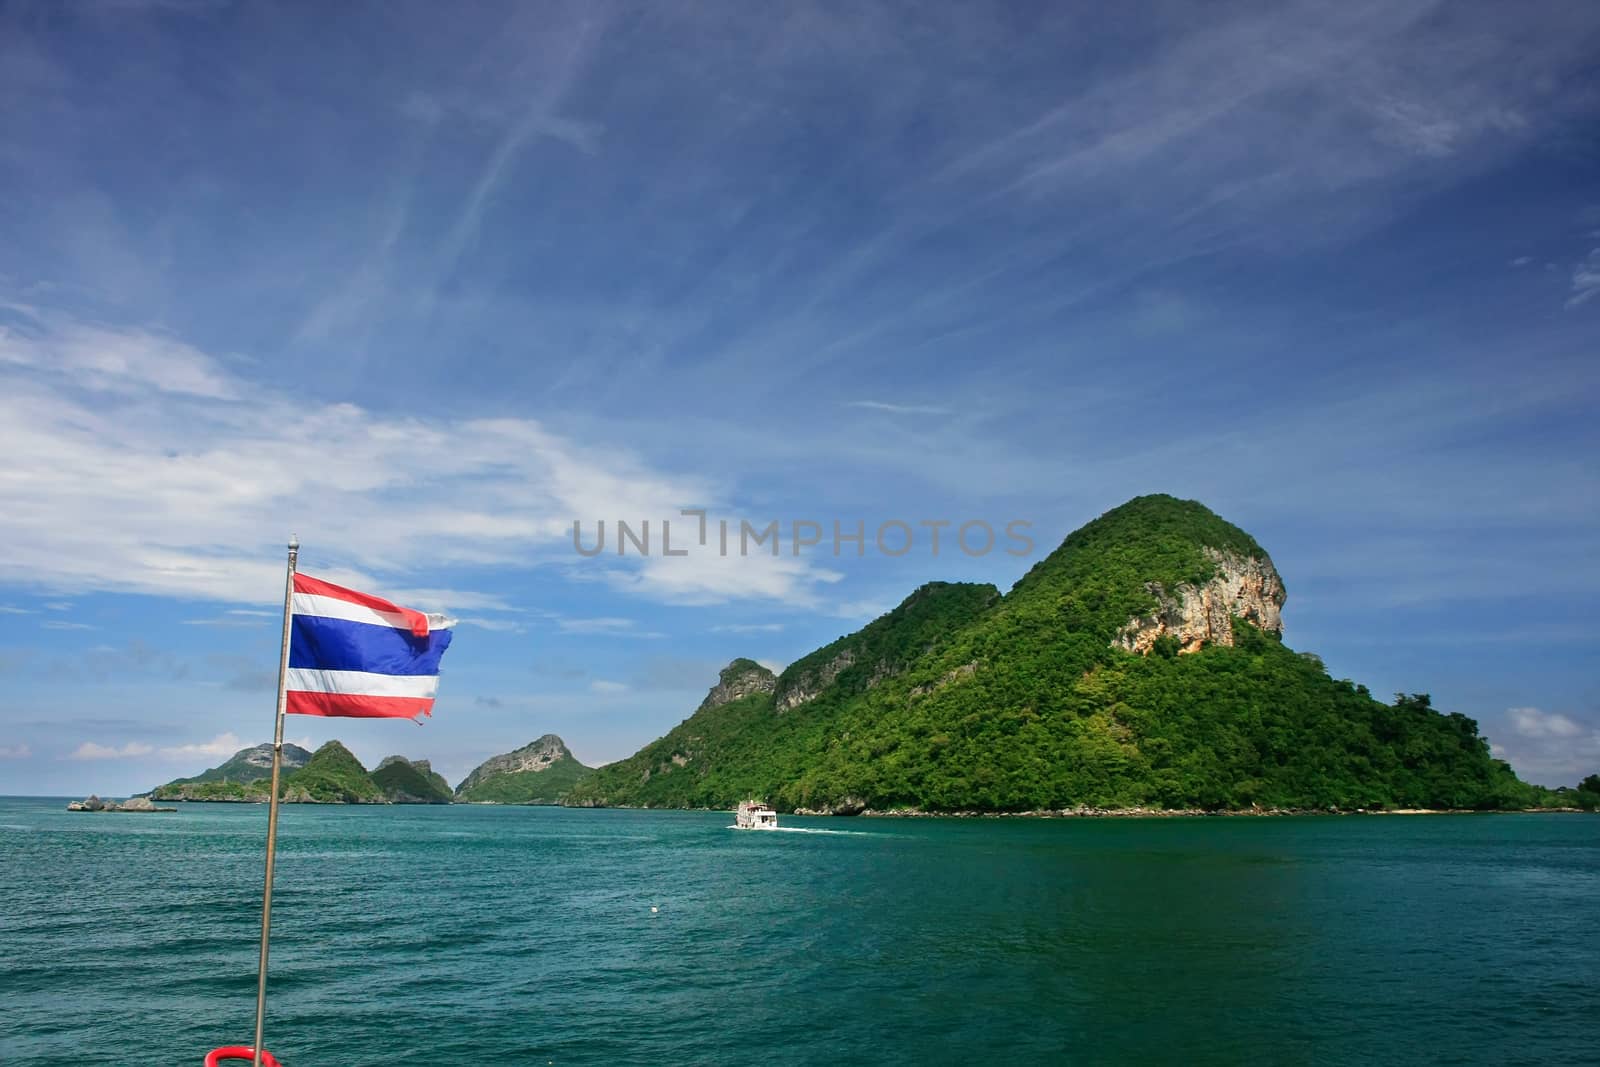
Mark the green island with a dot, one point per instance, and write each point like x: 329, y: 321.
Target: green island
x: 1139, y: 668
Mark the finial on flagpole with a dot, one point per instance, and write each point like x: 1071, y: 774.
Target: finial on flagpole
x: 294, y: 543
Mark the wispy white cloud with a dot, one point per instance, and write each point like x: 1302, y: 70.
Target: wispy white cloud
x: 1531, y: 722
x: 1329, y: 119
x: 221, y: 746
x: 601, y: 685
x: 1585, y: 280
x: 563, y: 61
x: 1547, y: 747
x: 110, y: 360
x: 15, y: 752
x: 706, y: 577
x: 863, y: 610
x: 748, y: 628
x: 7, y: 609
x: 90, y: 750
x: 60, y: 624
x: 897, y: 409
x: 604, y: 627
x: 511, y: 626
x: 393, y: 492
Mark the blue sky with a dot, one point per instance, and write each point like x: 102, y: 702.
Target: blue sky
x: 423, y: 288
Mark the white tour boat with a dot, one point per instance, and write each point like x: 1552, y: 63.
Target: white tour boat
x: 754, y: 815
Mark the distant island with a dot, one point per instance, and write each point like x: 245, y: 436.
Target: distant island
x: 541, y: 772
x: 1139, y: 668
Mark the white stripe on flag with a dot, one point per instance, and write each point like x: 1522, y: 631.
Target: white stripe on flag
x: 362, y: 683
x: 328, y: 607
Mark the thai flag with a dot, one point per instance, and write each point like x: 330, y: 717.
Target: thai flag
x: 353, y: 654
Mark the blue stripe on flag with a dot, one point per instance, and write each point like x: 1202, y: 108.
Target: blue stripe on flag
x: 324, y: 644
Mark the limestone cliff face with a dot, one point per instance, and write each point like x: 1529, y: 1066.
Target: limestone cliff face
x: 739, y: 679
x: 534, y: 756
x: 950, y: 677
x: 1244, y: 587
x: 808, y: 686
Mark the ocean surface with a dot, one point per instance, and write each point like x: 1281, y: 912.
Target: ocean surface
x: 476, y: 935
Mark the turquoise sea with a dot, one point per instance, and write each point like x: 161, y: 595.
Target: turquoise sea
x: 473, y: 935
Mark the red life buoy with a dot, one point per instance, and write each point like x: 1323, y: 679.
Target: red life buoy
x: 239, y: 1052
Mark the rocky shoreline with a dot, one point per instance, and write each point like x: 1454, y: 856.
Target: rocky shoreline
x: 1158, y: 813
x: 132, y: 804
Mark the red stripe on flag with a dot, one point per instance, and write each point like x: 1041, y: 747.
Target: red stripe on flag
x: 349, y: 706
x: 304, y: 583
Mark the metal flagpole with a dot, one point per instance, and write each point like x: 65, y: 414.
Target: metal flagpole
x: 272, y: 806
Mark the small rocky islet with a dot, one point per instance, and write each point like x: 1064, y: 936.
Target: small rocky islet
x: 132, y: 805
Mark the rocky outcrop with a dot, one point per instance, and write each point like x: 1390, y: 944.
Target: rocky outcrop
x: 849, y: 805
x: 1243, y: 587
x: 132, y: 804
x: 542, y: 772
x: 809, y: 685
x: 741, y: 678
x: 966, y: 670
x: 260, y: 757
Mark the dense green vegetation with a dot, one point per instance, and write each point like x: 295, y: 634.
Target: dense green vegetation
x: 957, y: 700
x: 1586, y: 796
x: 888, y: 645
x: 715, y: 758
x: 333, y: 775
x: 215, y: 790
x: 405, y: 782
